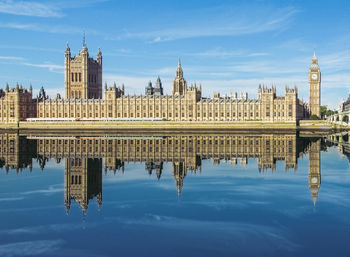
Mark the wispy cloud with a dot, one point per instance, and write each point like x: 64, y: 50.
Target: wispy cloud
x: 22, y: 61
x: 11, y: 58
x: 338, y: 61
x: 219, y: 52
x: 224, y: 25
x: 50, y: 66
x: 29, y: 8
x: 55, y: 29
x: 31, y: 48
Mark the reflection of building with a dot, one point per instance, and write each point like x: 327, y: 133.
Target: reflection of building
x: 83, y: 156
x: 315, y: 169
x: 16, y: 152
x: 84, y: 99
x: 82, y: 181
x: 185, y: 152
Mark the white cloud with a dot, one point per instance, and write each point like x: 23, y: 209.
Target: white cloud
x: 29, y: 8
x: 219, y: 52
x: 337, y: 61
x: 226, y: 24
x: 51, y: 67
x: 55, y: 29
x: 11, y: 58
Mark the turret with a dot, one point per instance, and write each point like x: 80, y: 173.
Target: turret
x: 67, y: 51
x: 99, y: 56
x: 158, y: 89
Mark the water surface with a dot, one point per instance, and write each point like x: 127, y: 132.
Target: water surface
x: 174, y: 195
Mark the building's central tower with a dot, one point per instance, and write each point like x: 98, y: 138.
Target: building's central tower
x: 82, y: 75
x: 315, y: 87
x: 179, y: 85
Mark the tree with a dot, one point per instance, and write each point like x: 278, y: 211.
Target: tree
x: 323, y: 110
x: 314, y: 117
x: 326, y: 112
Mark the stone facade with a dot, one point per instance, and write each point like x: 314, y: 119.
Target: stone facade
x: 83, y: 90
x: 82, y: 75
x: 16, y: 104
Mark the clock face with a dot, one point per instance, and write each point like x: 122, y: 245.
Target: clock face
x: 314, y: 76
x: 314, y: 180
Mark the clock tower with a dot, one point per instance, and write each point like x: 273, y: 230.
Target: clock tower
x: 315, y: 87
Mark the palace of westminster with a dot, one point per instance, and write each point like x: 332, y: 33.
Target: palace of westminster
x: 86, y: 158
x: 85, y: 99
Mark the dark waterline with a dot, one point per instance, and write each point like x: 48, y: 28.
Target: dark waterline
x: 182, y: 195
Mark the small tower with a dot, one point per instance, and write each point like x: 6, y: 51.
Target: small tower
x: 99, y: 56
x: 158, y: 89
x: 180, y: 84
x: 315, y: 87
x: 149, y: 89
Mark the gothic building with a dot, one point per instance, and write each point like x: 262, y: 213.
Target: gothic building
x: 84, y: 99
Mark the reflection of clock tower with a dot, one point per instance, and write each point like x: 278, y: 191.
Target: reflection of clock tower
x: 315, y: 87
x: 314, y: 169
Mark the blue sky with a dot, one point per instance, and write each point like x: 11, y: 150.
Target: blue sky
x: 224, y: 45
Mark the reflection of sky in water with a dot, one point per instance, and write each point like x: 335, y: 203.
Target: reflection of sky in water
x: 224, y: 210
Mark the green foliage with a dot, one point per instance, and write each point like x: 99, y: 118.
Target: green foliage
x: 326, y: 112
x: 314, y: 117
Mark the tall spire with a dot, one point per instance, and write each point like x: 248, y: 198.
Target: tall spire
x: 314, y: 64
x: 84, y: 42
x: 179, y: 72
